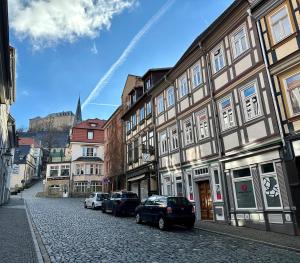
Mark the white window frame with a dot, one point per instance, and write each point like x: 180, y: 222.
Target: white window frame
x: 65, y: 167
x: 189, y: 187
x: 170, y: 96
x: 215, y: 185
x: 244, y: 104
x: 148, y: 108
x: 180, y: 181
x: 174, y: 138
x: 272, y: 174
x: 231, y: 123
x: 199, y: 77
x: 213, y: 55
x: 183, y: 87
x: 275, y: 41
x: 239, y: 41
x: 54, y: 168
x: 166, y: 180
x: 188, y: 136
x: 163, y: 142
x: 160, y: 104
x: 246, y: 178
x: 201, y: 120
x: 90, y: 135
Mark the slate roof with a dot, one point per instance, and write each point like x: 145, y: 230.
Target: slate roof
x: 88, y: 159
x: 21, y: 153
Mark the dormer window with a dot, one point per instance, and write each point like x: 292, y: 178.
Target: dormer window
x: 133, y: 98
x: 93, y: 125
x: 90, y: 135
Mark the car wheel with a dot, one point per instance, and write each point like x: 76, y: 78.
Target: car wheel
x: 138, y: 219
x: 189, y: 225
x: 162, y: 225
x: 115, y: 212
x: 103, y: 209
x: 85, y: 206
x: 93, y: 206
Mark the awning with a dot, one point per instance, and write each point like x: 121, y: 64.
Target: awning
x: 136, y: 178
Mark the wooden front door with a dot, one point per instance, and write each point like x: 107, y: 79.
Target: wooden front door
x: 205, y: 201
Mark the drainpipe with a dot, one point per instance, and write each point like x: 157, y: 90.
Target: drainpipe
x: 218, y: 132
x: 270, y: 81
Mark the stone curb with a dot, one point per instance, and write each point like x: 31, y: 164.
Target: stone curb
x: 39, y: 246
x: 250, y: 239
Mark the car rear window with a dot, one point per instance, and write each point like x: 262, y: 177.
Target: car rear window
x: 178, y: 201
x: 129, y: 195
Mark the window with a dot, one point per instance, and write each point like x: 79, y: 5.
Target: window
x: 202, y: 125
x: 128, y: 126
x: 188, y: 131
x: 148, y: 108
x: 133, y: 98
x: 163, y: 143
x: 243, y: 189
x: 178, y: 186
x: 239, y: 42
x: 160, y: 104
x: 218, y: 59
x: 201, y: 171
x: 54, y: 170
x: 196, y: 73
x: 183, y: 86
x: 270, y: 186
x: 280, y: 24
x: 189, y: 184
x: 226, y: 113
x: 217, y: 186
x: 129, y: 152
x: 250, y: 102
x: 79, y: 169
x: 142, y: 114
x: 170, y: 97
x: 65, y: 170
x: 80, y: 187
x: 292, y: 93
x: 93, y: 125
x: 133, y: 118
x: 148, y: 84
x: 144, y: 144
x: 89, y: 152
x: 151, y: 142
x: 136, y: 151
x: 90, y: 135
x: 167, y: 186
x: 174, y: 138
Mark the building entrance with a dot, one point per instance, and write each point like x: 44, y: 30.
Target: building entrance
x: 205, y: 200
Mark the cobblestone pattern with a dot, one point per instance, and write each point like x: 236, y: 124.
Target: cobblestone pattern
x: 16, y: 245
x: 74, y: 234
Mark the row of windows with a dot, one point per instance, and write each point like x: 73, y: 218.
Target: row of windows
x: 144, y: 112
x: 89, y: 169
x: 56, y: 170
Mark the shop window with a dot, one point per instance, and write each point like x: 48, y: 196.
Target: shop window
x: 291, y: 85
x: 280, y: 23
x: 202, y: 125
x: 226, y: 113
x: 188, y: 131
x: 174, y: 138
x: 251, y: 103
x: 270, y: 186
x: 239, y: 42
x: 243, y: 189
x: 218, y: 59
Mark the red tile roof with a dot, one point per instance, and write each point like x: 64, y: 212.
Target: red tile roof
x: 28, y: 141
x: 87, y: 124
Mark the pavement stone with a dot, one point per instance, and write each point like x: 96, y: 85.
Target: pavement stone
x: 71, y: 233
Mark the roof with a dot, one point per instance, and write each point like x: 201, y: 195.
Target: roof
x: 87, y: 124
x: 156, y: 69
x: 28, y: 141
x: 21, y: 153
x: 88, y: 159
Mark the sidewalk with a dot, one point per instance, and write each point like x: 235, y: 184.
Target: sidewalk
x: 16, y: 242
x: 269, y: 238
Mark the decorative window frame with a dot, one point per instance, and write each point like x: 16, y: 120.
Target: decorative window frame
x: 171, y: 129
x: 243, y: 102
x: 233, y: 180
x: 197, y: 64
x: 282, y: 79
x: 181, y: 95
x: 212, y: 54
x: 269, y: 22
x: 198, y: 123
x: 169, y: 102
x: 272, y: 174
x: 229, y: 96
x: 232, y: 43
x: 184, y: 122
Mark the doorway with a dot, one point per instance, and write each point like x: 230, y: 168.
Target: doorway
x: 205, y: 200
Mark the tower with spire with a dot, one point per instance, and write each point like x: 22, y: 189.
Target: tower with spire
x: 78, y: 115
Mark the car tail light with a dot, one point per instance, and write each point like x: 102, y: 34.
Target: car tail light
x: 169, y: 210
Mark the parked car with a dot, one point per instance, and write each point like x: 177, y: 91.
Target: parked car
x: 166, y: 211
x: 121, y: 203
x: 95, y: 200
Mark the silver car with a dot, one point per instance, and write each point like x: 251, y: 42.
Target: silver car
x: 94, y: 201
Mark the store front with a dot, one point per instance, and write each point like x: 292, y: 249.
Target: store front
x: 258, y: 193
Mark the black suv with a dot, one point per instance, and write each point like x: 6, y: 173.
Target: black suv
x: 165, y: 211
x: 121, y: 203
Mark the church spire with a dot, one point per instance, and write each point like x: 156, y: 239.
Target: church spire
x: 78, y: 116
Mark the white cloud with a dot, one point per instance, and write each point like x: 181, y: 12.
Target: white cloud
x: 94, y: 49
x: 25, y: 93
x: 119, y: 62
x: 47, y: 22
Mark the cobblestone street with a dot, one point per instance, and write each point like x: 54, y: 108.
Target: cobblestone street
x: 71, y: 233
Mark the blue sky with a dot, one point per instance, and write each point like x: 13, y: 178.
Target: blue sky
x: 57, y: 61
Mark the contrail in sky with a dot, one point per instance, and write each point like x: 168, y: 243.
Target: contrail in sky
x: 104, y: 104
x: 103, y: 81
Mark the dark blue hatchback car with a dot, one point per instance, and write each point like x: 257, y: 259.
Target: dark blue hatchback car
x: 166, y: 211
